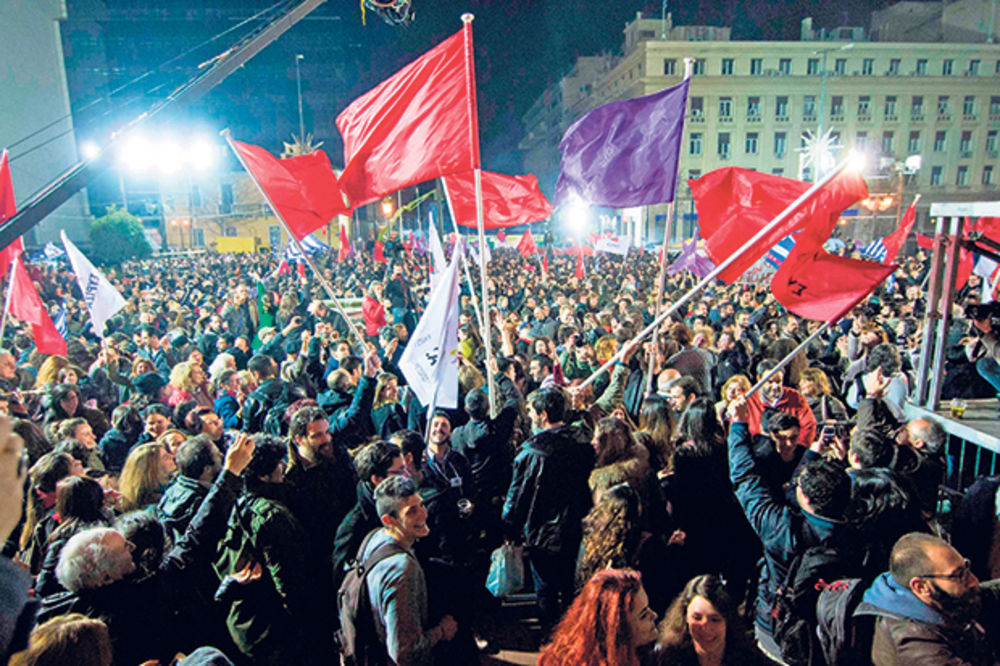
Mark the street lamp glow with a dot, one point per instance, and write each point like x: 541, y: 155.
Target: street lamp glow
x: 856, y: 161
x: 169, y: 158
x: 577, y: 216
x: 135, y: 155
x: 202, y: 155
x: 89, y: 150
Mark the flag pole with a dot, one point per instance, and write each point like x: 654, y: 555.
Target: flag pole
x: 788, y: 359
x: 664, y: 251
x: 483, y: 330
x: 10, y: 293
x: 305, y: 257
x: 695, y: 290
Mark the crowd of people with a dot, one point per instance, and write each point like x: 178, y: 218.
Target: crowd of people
x: 235, y: 473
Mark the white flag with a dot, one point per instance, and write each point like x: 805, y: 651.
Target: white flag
x: 474, y: 249
x: 430, y: 360
x: 613, y: 244
x: 437, y: 250
x: 101, y: 298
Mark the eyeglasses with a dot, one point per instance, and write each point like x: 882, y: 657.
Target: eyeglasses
x: 962, y: 573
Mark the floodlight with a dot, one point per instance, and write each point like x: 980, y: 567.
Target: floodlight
x: 577, y: 216
x: 89, y: 150
x: 135, y: 155
x: 202, y: 155
x: 856, y: 161
x: 169, y: 158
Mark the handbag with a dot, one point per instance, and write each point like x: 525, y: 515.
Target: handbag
x: 506, y: 575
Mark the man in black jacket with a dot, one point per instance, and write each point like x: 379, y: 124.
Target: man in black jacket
x: 270, y: 391
x: 548, y: 498
x: 199, y: 462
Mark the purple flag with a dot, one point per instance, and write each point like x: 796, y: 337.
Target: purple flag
x: 691, y: 260
x: 625, y: 153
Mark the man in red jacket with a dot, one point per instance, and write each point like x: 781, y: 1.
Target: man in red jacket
x: 776, y: 396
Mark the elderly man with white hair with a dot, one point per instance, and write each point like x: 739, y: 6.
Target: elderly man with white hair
x: 142, y: 615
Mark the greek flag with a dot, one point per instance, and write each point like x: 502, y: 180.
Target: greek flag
x: 875, y: 251
x: 60, y: 321
x: 310, y: 244
x: 777, y: 254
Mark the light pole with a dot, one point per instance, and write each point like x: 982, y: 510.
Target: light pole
x: 822, y: 94
x: 298, y: 87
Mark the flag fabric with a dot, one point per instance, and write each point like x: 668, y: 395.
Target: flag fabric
x: 345, y: 244
x: 580, y: 272
x: 417, y: 125
x: 437, y: 249
x: 380, y: 253
x: 734, y: 204
x: 613, y: 244
x: 474, y: 251
x: 691, y: 260
x: 102, y: 299
x: 8, y: 207
x: 304, y: 189
x: 61, y: 322
x: 893, y: 243
x: 526, y: 246
x: 312, y: 246
x: 777, y: 254
x: 26, y: 305
x: 429, y: 361
x: 925, y: 242
x: 508, y: 201
x: 501, y: 236
x: 875, y: 251
x: 625, y: 153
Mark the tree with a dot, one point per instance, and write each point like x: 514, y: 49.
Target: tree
x: 117, y: 237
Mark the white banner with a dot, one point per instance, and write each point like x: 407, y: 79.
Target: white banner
x: 613, y: 244
x: 101, y: 298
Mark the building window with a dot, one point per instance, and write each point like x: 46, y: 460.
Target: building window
x: 837, y: 105
x: 723, y: 147
x: 937, y: 175
x: 670, y: 67
x: 840, y: 66
x: 965, y: 143
x: 867, y: 66
x: 946, y: 67
x: 226, y: 203
x: 785, y: 66
x: 922, y: 67
x: 725, y: 107
x: 942, y: 106
x: 991, y: 141
x: 917, y: 106
x: 809, y: 107
x: 694, y: 145
x: 969, y: 105
x: 751, y: 143
x: 694, y: 174
x: 727, y: 66
x: 697, y: 107
x: 230, y: 232
x: 195, y: 197
x: 781, y: 107
x: 987, y: 175
x: 973, y: 68
x: 939, y: 141
x: 894, y: 67
x: 777, y: 171
x: 807, y: 174
x: 812, y: 67
x: 780, y: 144
x: 198, y: 237
x: 887, y: 143
x: 890, y: 106
x: 913, y: 144
x: 698, y: 68
x: 756, y: 66
x: 835, y: 139
x: 753, y: 107
x: 861, y: 140
x: 994, y: 106
x: 962, y: 175
x: 864, y: 106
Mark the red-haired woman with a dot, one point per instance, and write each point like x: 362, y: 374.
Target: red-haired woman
x: 609, y: 624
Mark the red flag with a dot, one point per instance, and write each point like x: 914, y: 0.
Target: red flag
x: 501, y: 235
x: 545, y: 264
x: 526, y: 246
x: 345, y: 244
x: 300, y: 268
x: 408, y: 245
x: 26, y: 305
x: 8, y: 207
x: 925, y: 242
x: 417, y: 125
x: 304, y: 189
x: 508, y: 201
x: 734, y: 204
x: 379, y: 253
x: 284, y: 268
x: 580, y: 273
x: 894, y: 241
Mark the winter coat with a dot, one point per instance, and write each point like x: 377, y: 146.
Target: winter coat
x: 228, y: 409
x: 487, y: 446
x: 549, y: 495
x: 792, y: 402
x: 179, y: 504
x: 257, y: 404
x: 359, y: 521
x: 114, y: 447
x: 350, y: 414
x: 388, y: 419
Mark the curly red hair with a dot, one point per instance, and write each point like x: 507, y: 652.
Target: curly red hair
x: 595, y: 630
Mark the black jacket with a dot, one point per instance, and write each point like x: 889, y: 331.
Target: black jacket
x: 359, y: 521
x: 549, y: 494
x: 350, y: 414
x: 255, y: 407
x: 114, y: 447
x: 179, y: 504
x: 487, y: 446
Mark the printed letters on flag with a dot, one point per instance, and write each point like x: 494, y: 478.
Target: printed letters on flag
x: 613, y: 244
x: 430, y: 361
x: 625, y: 153
x: 417, y: 125
x: 734, y: 204
x: 101, y: 298
x: 526, y: 246
x: 8, y: 207
x: 304, y: 189
x: 26, y: 305
x: 508, y: 201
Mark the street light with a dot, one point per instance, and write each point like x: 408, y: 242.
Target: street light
x: 577, y: 217
x: 387, y: 208
x: 298, y: 86
x: 823, y: 164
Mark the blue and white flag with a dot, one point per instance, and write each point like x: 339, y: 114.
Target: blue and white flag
x: 875, y: 251
x: 777, y: 254
x: 101, y: 298
x: 310, y: 244
x: 60, y: 320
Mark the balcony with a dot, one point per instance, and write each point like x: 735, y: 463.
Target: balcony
x: 781, y: 118
x: 943, y: 117
x: 723, y: 156
x: 753, y: 118
x: 891, y: 118
x: 969, y: 117
x: 726, y: 120
x: 809, y: 117
x: 836, y: 117
x: 916, y: 117
x: 864, y: 117
x: 965, y: 154
x: 696, y: 118
x: 992, y: 154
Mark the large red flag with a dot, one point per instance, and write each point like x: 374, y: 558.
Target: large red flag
x: 580, y: 273
x: 345, y: 244
x: 380, y: 253
x: 734, y: 204
x: 304, y: 189
x: 526, y: 246
x: 507, y: 200
x: 8, y: 206
x: 26, y: 305
x: 415, y: 126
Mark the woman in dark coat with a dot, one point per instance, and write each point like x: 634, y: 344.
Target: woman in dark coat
x: 388, y: 415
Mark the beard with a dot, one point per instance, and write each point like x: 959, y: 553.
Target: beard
x: 962, y: 608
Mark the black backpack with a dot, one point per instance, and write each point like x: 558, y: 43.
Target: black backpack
x: 360, y: 644
x: 795, y: 603
x: 844, y: 638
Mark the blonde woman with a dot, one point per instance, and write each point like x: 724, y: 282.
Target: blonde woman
x: 735, y: 386
x: 145, y: 476
x: 388, y: 415
x: 187, y: 382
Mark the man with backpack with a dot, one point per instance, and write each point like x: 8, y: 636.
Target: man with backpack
x: 383, y: 601
x: 787, y: 532
x: 270, y: 392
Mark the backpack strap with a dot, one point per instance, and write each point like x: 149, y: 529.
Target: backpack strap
x: 384, y: 551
